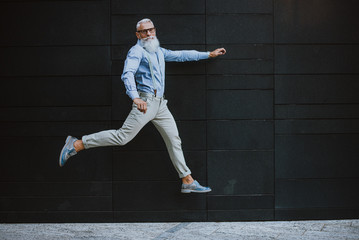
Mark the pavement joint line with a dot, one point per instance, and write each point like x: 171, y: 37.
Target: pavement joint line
x: 174, y: 229
x: 322, y: 227
x: 214, y: 230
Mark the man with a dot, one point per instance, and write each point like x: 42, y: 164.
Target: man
x: 145, y: 65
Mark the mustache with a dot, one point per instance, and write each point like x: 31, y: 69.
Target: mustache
x: 148, y: 38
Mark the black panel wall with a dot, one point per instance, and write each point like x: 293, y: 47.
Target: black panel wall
x: 272, y: 126
x: 316, y: 109
x: 55, y: 80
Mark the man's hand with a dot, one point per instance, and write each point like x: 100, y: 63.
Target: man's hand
x: 141, y: 105
x: 217, y: 52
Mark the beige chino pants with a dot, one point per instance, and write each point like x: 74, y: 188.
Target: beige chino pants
x: 159, y: 114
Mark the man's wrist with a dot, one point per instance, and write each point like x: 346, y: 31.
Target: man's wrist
x: 133, y: 94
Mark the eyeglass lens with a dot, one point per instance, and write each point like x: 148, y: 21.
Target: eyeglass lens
x: 151, y: 30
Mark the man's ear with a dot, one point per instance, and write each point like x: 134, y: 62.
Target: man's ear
x: 138, y: 35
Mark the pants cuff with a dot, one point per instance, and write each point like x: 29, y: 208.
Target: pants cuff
x: 182, y: 175
x: 84, y: 141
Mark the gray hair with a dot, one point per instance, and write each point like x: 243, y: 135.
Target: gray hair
x: 143, y: 21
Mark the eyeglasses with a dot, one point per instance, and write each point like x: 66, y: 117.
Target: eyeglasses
x: 144, y: 31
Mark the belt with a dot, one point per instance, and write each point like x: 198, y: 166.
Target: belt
x: 144, y: 94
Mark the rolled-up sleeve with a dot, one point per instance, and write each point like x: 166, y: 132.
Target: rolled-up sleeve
x: 184, y: 55
x: 132, y: 63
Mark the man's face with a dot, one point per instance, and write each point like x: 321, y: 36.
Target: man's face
x: 146, y: 30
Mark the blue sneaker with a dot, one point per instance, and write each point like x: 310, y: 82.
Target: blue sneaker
x: 194, y: 187
x: 67, y: 151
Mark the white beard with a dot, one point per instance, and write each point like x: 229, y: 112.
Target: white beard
x: 151, y: 44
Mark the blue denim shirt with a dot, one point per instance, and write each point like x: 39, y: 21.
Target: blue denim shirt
x: 137, y: 69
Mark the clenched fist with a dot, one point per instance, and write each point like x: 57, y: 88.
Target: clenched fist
x: 217, y: 52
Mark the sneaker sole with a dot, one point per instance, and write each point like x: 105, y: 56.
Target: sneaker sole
x: 67, y: 141
x: 194, y: 191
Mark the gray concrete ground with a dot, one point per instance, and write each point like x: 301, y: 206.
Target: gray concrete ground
x: 288, y: 230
